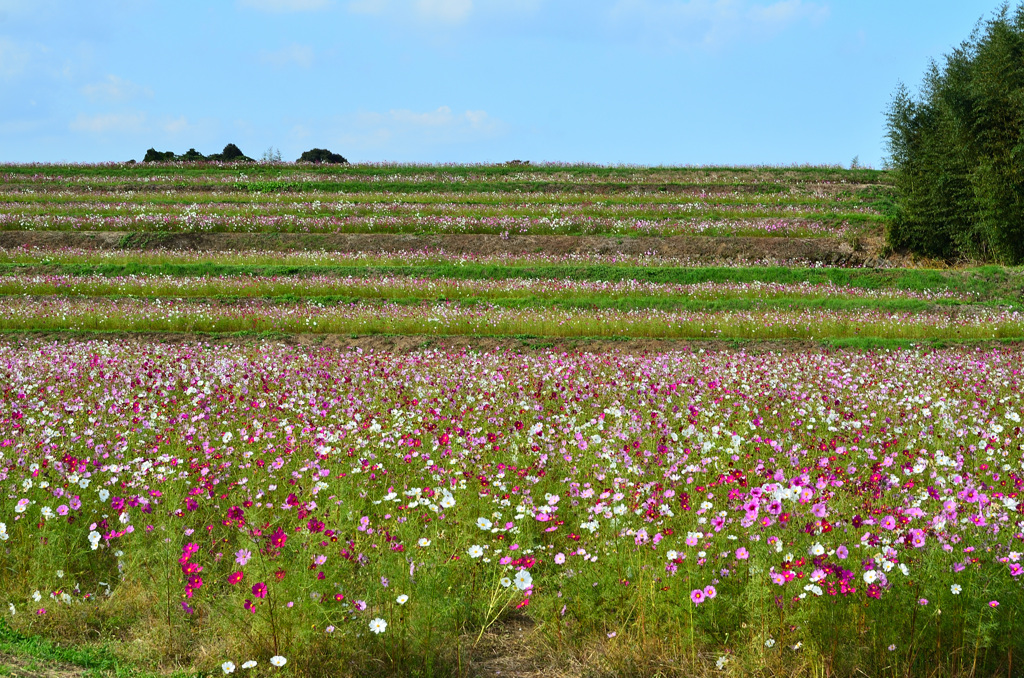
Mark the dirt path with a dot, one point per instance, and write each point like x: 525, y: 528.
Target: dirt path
x: 30, y: 667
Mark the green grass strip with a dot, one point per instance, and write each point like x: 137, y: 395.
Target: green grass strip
x: 97, y: 659
x: 987, y: 284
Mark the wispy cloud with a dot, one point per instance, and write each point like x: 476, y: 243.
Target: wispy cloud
x: 108, y: 122
x: 290, y: 55
x: 444, y: 12
x: 14, y: 58
x: 709, y: 23
x: 114, y: 89
x: 285, y: 5
x: 402, y: 133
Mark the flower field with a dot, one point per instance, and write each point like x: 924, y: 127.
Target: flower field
x: 816, y: 471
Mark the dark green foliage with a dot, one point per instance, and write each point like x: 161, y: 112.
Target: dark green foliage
x: 322, y: 155
x: 192, y: 156
x: 231, y: 153
x: 153, y: 155
x: 958, y: 152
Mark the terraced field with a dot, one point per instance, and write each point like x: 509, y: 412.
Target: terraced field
x: 382, y: 419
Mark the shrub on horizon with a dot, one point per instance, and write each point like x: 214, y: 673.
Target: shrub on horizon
x: 322, y: 155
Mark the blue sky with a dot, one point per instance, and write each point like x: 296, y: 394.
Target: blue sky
x: 653, y: 82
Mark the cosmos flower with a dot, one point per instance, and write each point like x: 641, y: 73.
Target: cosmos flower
x: 278, y: 660
x: 523, y: 580
x: 378, y: 625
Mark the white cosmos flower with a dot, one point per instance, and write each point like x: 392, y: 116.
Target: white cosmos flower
x: 278, y: 660
x: 37, y: 596
x: 228, y: 667
x: 249, y: 664
x: 870, y: 577
x: 483, y: 523
x: 955, y: 589
x: 475, y: 551
x: 424, y: 542
x: 104, y: 494
x: 817, y: 550
x: 523, y: 580
x: 447, y: 501
x: 402, y: 599
x: 505, y: 581
x: 378, y: 625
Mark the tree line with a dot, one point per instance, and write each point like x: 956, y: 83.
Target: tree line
x: 957, y: 150
x: 232, y: 153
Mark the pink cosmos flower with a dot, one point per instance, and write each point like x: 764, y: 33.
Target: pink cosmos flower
x: 235, y: 577
x: 742, y: 553
x: 710, y: 591
x: 697, y: 596
x: 278, y: 538
x: 242, y: 556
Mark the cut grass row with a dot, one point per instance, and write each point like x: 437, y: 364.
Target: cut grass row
x: 759, y: 176
x: 452, y: 319
x: 992, y: 283
x: 521, y: 294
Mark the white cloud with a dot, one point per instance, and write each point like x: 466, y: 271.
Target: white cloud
x: 114, y: 89
x: 290, y: 55
x: 175, y: 125
x: 452, y: 11
x: 285, y: 5
x: 14, y: 58
x: 441, y: 11
x: 709, y: 23
x: 444, y: 11
x: 404, y: 132
x: 108, y: 122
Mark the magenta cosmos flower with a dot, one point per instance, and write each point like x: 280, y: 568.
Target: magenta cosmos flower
x: 259, y: 590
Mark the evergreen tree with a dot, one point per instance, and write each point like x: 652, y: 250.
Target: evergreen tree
x: 958, y: 151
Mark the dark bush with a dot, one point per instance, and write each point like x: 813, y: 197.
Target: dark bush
x: 153, y: 155
x: 192, y: 156
x: 231, y: 153
x: 958, y: 151
x: 322, y: 155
